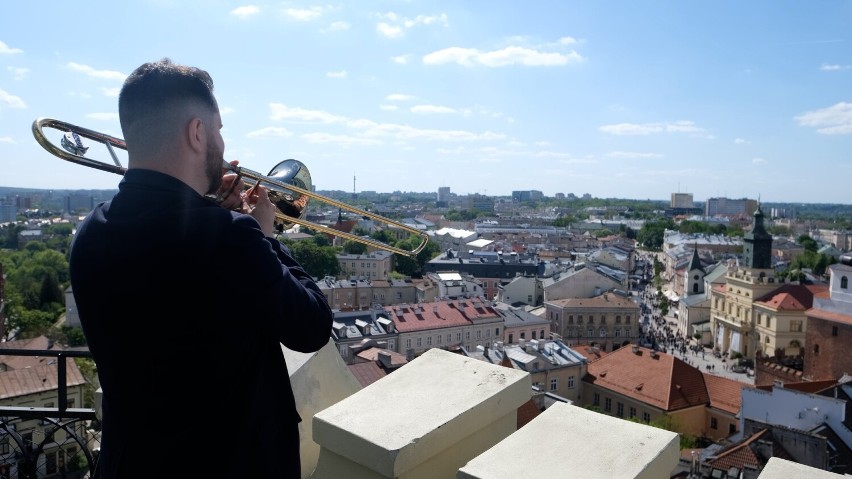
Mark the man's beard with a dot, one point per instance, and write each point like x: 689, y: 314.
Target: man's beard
x: 214, y: 167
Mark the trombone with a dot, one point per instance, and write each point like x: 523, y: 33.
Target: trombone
x: 288, y: 183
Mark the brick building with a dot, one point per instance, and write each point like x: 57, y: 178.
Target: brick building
x: 829, y: 327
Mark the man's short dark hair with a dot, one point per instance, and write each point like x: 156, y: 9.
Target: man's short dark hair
x: 156, y: 90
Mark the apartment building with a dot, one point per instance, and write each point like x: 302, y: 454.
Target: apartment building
x: 445, y: 324
x: 609, y: 320
x: 374, y: 265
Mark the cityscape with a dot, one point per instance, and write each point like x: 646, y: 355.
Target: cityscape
x: 623, y: 308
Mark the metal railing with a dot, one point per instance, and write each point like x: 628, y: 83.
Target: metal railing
x: 42, y: 442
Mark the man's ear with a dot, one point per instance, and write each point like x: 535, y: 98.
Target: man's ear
x: 196, y: 134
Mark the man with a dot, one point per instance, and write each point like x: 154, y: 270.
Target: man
x: 185, y: 303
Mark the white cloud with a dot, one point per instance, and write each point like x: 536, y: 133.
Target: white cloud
x: 394, y: 26
x: 225, y: 111
x: 340, y: 74
x: 338, y: 26
x: 8, y: 100
x: 5, y: 50
x: 401, y: 59
x: 632, y: 154
x: 112, y: 92
x: 651, y: 128
x: 18, y: 73
x: 399, y: 97
x: 345, y: 140
x: 432, y: 109
x: 280, y: 112
x: 101, y: 74
x: 388, y: 107
x: 103, y: 116
x: 270, y: 131
x: 740, y: 141
x: 567, y: 41
x: 245, y: 11
x: 7, y: 139
x: 304, y: 14
x: 390, y: 31
x: 500, y: 58
x: 758, y: 161
x: 828, y: 67
x: 834, y: 120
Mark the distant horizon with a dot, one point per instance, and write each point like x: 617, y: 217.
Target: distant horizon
x: 578, y: 197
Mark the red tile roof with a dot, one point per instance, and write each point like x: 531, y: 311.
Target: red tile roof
x: 742, y: 453
x: 791, y: 297
x: 38, y: 379
x: 725, y: 394
x: 367, y: 373
x: 660, y: 380
x: 439, y: 314
x: 829, y: 316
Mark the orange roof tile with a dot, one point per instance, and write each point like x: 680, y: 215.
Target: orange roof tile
x: 791, y: 297
x: 367, y: 373
x: 440, y: 314
x: 663, y: 381
x: 725, y: 394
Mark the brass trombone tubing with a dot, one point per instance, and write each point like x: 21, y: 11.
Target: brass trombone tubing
x: 253, y: 176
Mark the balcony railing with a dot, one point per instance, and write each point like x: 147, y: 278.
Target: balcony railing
x: 37, y: 442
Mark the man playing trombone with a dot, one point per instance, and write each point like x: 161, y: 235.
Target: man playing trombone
x: 185, y: 301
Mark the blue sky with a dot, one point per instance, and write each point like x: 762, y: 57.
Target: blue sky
x: 627, y: 99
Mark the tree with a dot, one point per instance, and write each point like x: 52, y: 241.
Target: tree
x: 318, y: 261
x: 354, y: 247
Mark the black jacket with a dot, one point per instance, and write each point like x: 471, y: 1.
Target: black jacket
x: 185, y: 306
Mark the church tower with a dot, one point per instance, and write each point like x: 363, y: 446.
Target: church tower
x: 757, y: 244
x: 694, y: 275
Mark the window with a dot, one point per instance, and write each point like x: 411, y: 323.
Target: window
x: 344, y: 351
x: 419, y: 342
x: 596, y: 400
x: 834, y: 330
x: 408, y: 343
x: 591, y: 332
x: 511, y: 338
x: 603, y: 319
x: 844, y: 282
x: 591, y: 319
x: 429, y: 341
x: 541, y: 334
x: 570, y: 319
x: 467, y: 335
x: 603, y: 332
x: 618, y: 319
x: 796, y: 325
x: 478, y: 334
x: 714, y: 423
x: 458, y: 337
x: 816, y: 349
x: 732, y: 428
x: 632, y: 412
x: 529, y: 298
x: 627, y: 319
x: 580, y: 319
x: 553, y: 384
x: 570, y: 381
x: 497, y: 332
x: 617, y: 332
x: 619, y: 410
x: 440, y: 338
x: 607, y: 404
x: 4, y: 447
x: 646, y: 417
x: 449, y: 338
x: 523, y: 334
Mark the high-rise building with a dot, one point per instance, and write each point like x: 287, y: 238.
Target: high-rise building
x: 682, y: 200
x: 443, y: 196
x: 729, y: 207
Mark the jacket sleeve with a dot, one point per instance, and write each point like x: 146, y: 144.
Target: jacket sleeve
x: 280, y: 296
